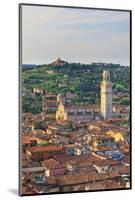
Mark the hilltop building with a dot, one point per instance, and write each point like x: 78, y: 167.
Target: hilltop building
x: 58, y: 62
x: 106, y: 96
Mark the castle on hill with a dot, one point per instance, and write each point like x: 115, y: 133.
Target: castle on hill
x: 58, y: 62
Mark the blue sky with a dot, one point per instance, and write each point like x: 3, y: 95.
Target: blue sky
x: 75, y: 35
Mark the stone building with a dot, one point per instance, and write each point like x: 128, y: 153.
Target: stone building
x: 106, y: 96
x: 49, y: 106
x: 75, y: 112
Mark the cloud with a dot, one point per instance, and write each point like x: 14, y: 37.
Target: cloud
x: 74, y: 34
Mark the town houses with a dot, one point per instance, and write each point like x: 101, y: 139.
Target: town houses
x: 75, y: 147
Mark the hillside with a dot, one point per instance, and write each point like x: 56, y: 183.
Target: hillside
x: 80, y: 79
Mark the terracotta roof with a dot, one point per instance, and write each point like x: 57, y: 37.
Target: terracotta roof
x: 51, y: 180
x: 50, y: 163
x: 65, y: 159
x: 71, y: 146
x: 105, y: 184
x: 105, y: 148
x: 87, y: 160
x: 122, y: 169
x: 103, y: 123
x: 103, y: 137
x: 45, y: 148
x: 126, y: 158
x: 28, y: 139
x: 82, y: 177
x: 106, y: 162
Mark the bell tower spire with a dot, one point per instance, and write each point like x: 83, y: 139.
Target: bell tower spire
x: 106, y: 96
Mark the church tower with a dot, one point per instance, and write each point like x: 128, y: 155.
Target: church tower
x: 106, y: 96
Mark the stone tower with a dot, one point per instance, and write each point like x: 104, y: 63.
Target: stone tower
x: 106, y: 96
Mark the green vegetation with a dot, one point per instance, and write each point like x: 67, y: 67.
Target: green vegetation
x: 124, y: 101
x: 83, y: 80
x: 30, y: 104
x: 122, y: 123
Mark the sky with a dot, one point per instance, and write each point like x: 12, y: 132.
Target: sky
x: 75, y: 35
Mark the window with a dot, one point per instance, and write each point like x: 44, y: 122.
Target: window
x: 103, y: 169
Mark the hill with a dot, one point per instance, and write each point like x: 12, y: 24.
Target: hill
x: 28, y: 66
x: 80, y: 79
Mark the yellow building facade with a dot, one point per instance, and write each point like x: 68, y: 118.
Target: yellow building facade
x: 118, y: 136
x: 61, y: 114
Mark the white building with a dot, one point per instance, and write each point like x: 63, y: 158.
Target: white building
x: 106, y: 96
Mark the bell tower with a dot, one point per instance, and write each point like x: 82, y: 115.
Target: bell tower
x: 106, y: 96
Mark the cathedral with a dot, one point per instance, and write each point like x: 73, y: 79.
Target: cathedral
x: 88, y: 112
x: 75, y: 112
